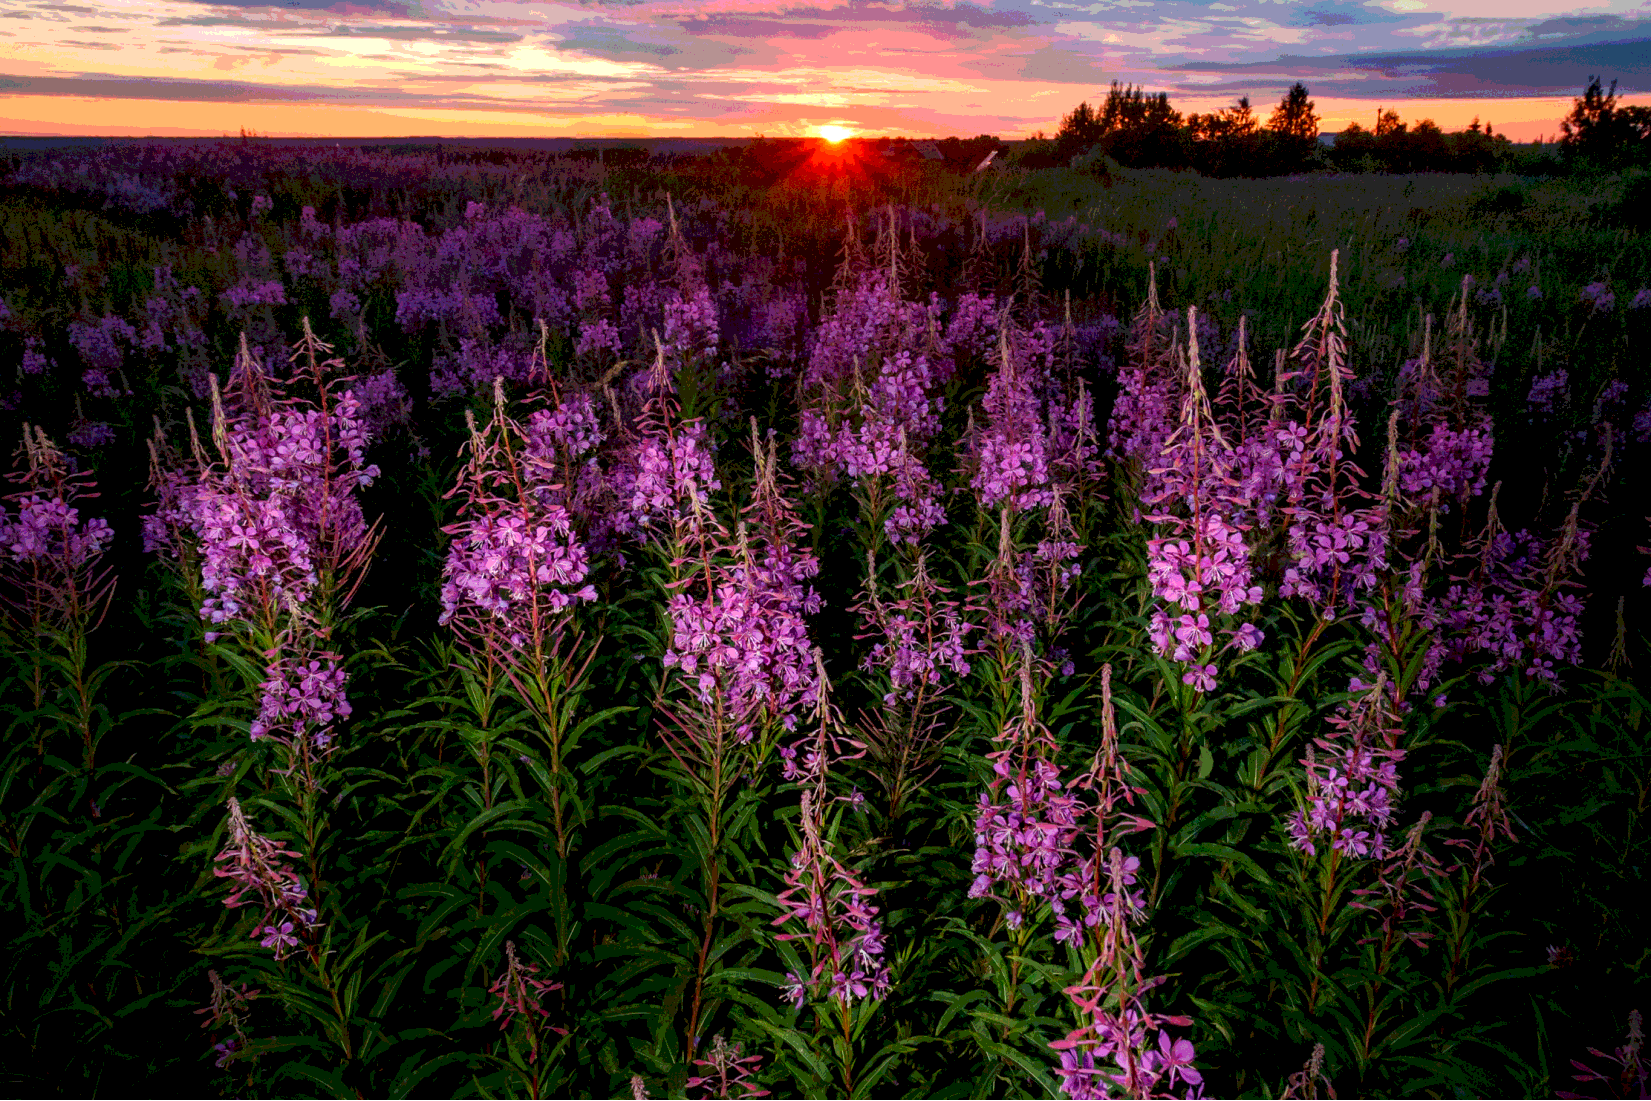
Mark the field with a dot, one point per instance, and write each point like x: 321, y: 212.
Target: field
x: 492, y: 623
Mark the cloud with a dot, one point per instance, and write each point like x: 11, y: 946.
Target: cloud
x: 948, y: 22
x: 416, y: 33
x: 1541, y: 70
x: 666, y: 45
x: 198, y: 91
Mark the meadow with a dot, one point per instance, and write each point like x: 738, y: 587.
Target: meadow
x: 795, y: 621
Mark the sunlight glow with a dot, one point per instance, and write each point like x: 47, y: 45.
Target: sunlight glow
x: 835, y: 134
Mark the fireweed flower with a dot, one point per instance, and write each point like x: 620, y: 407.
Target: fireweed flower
x: 301, y: 700
x: 664, y: 475
x: 1010, y: 447
x: 255, y: 866
x: 1143, y: 414
x: 1337, y: 548
x: 1121, y: 1049
x: 1401, y: 893
x: 727, y: 1072
x: 1598, y: 297
x: 278, y: 515
x: 840, y: 931
x: 1631, y: 1076
x: 1518, y: 604
x: 519, y: 994
x: 869, y: 395
x: 1025, y: 822
x: 228, y: 1007
x: 282, y: 539
x: 1197, y: 558
x: 1488, y: 816
x: 920, y: 637
x: 739, y: 642
x: 515, y: 566
x: 50, y: 557
x: 1352, y: 779
x: 1307, y: 1081
x: 1548, y: 392
x: 1197, y: 561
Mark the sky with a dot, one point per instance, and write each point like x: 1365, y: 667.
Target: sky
x: 742, y: 68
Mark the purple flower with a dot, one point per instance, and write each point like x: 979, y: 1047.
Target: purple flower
x: 1175, y: 1057
x: 49, y: 554
x: 1597, y: 297
x: 516, y: 566
x: 256, y: 866
x: 1547, y: 392
x: 1352, y: 778
x: 1200, y: 677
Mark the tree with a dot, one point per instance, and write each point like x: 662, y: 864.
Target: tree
x: 1354, y: 147
x: 1078, y: 132
x: 1140, y: 128
x: 1294, y: 127
x: 1224, y: 142
x: 1132, y: 125
x: 1294, y: 116
x: 1599, y: 131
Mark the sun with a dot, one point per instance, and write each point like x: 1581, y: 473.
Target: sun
x: 835, y: 134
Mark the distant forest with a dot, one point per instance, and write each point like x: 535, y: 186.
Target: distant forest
x: 1138, y: 129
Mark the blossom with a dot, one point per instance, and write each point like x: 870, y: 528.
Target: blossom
x: 519, y: 994
x: 256, y: 866
x: 1352, y: 779
x: 727, y: 1070
x: 516, y: 566
x: 1597, y: 296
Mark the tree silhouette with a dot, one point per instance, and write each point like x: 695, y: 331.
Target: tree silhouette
x: 1294, y: 116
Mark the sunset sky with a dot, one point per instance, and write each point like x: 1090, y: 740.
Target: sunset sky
x: 635, y: 68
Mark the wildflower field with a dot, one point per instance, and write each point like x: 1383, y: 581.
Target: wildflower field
x: 484, y: 623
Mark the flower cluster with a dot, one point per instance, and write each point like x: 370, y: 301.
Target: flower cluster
x: 229, y: 1006
x: 1352, y: 779
x: 301, y: 700
x: 255, y: 865
x: 673, y: 474
x: 1198, y: 560
x: 515, y: 565
x: 1630, y: 1075
x: 726, y: 1071
x: 1548, y: 391
x: 742, y: 648
x: 739, y: 642
x: 279, y: 516
x: 1598, y: 297
x: 1450, y: 465
x: 920, y: 636
x: 1121, y: 1048
x: 1337, y: 546
x: 519, y: 994
x: 49, y: 554
x: 1011, y: 449
x: 839, y: 925
x: 1025, y: 822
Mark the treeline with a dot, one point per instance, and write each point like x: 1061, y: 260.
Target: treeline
x: 1139, y: 129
